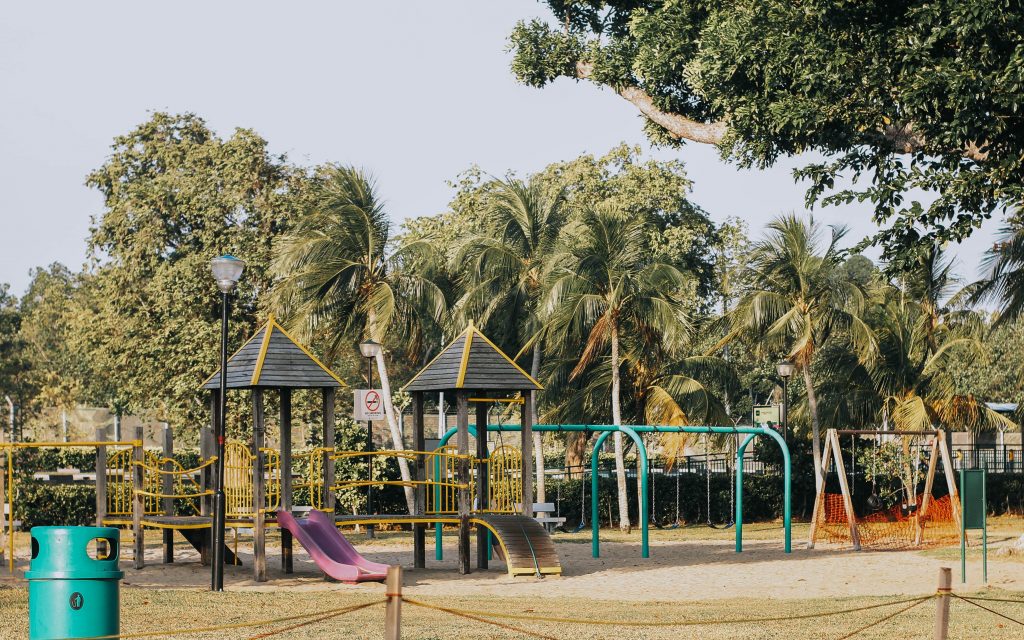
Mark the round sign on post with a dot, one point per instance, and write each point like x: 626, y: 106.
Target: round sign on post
x: 368, y: 404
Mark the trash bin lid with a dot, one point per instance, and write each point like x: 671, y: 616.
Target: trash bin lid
x: 74, y: 553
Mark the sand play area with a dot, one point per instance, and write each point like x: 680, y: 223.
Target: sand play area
x: 694, y: 563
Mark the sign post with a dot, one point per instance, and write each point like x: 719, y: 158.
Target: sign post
x: 368, y: 404
x: 973, y: 516
x: 767, y: 414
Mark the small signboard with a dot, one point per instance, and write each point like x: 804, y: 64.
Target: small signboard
x: 368, y: 404
x: 767, y: 414
x: 973, y: 515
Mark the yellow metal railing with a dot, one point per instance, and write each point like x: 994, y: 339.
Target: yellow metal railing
x: 239, y: 466
x: 184, y: 485
x: 504, y: 480
x: 121, y: 487
x: 310, y: 465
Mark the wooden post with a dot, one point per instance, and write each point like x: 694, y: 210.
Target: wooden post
x: 328, y: 465
x: 819, y: 498
x: 167, y: 488
x: 462, y: 441
x: 947, y: 470
x: 286, y: 476
x: 482, y: 473
x: 926, y: 499
x: 138, y: 501
x: 851, y: 517
x: 101, y: 478
x: 941, y: 629
x: 526, y: 443
x: 206, y: 451
x: 419, y: 556
x: 259, y: 491
x: 393, y: 606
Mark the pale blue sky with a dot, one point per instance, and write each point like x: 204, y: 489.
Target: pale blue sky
x: 414, y: 92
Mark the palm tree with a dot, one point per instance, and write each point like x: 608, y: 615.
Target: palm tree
x: 797, y: 299
x: 503, y: 268
x: 1004, y: 282
x: 922, y: 338
x: 337, y: 280
x: 606, y: 293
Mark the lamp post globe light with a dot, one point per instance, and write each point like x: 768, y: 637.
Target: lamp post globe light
x: 227, y: 270
x: 369, y: 349
x: 785, y: 369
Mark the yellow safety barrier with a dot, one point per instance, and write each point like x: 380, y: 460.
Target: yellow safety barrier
x: 239, y: 467
x: 311, y: 468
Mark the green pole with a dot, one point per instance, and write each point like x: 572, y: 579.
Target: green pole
x: 595, y: 544
x: 645, y: 503
x: 984, y: 526
x: 605, y: 429
x: 438, y: 533
x: 787, y: 487
x: 739, y: 492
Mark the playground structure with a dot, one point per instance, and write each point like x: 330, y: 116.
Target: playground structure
x: 142, y: 490
x: 633, y: 431
x: 915, y: 521
x: 452, y: 485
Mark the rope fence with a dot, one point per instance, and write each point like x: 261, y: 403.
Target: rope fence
x: 394, y: 599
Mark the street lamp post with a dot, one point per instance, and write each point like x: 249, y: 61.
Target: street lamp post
x: 226, y: 269
x: 369, y: 348
x: 785, y: 370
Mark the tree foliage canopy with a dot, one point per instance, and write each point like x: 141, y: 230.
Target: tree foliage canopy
x: 896, y: 96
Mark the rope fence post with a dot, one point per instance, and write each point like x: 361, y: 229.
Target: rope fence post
x: 393, y: 605
x: 167, y: 488
x: 941, y: 631
x: 138, y: 502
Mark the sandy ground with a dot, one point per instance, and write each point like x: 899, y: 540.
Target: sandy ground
x: 678, y: 570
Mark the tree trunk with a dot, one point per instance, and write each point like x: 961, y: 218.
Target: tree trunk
x: 620, y: 463
x: 575, y: 452
x: 538, y: 442
x: 396, y: 429
x: 812, y: 407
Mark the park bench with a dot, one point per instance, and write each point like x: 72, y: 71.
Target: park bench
x: 542, y: 514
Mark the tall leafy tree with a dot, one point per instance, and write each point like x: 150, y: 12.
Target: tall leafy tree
x: 15, y: 363
x: 175, y: 195
x: 503, y: 271
x: 607, y: 293
x: 338, y: 280
x: 798, y: 298
x: 916, y: 94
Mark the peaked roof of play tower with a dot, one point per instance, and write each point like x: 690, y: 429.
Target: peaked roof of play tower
x: 271, y: 358
x: 472, y: 361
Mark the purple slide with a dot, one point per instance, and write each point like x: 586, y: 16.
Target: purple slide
x: 334, y: 554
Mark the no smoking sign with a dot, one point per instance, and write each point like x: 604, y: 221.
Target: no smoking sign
x: 368, y: 404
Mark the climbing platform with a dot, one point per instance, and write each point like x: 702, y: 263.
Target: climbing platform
x: 524, y: 543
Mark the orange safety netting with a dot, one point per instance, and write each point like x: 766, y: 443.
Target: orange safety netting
x: 890, y: 529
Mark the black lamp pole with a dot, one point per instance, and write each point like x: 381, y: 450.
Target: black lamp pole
x: 227, y: 269
x: 785, y: 369
x: 785, y: 408
x: 369, y: 449
x: 217, y: 581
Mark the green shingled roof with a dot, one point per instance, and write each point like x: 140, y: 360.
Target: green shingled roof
x: 273, y: 359
x: 472, y: 361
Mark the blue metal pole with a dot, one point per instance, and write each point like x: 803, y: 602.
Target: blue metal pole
x: 645, y: 550
x: 595, y: 544
x: 739, y: 491
x: 787, y: 507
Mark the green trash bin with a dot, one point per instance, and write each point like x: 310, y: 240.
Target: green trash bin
x: 74, y: 583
